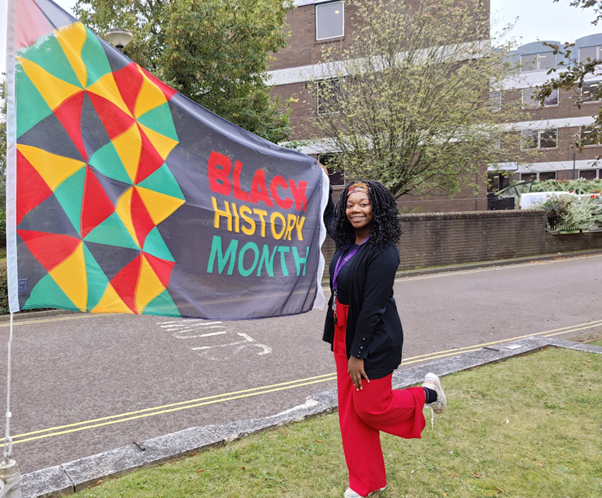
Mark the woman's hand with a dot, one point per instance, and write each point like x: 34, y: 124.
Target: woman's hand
x: 355, y: 368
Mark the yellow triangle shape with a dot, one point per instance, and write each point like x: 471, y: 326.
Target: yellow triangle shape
x: 52, y: 168
x: 107, y: 88
x: 129, y: 148
x: 72, y: 39
x: 124, y: 211
x: 53, y: 90
x: 159, y: 206
x: 111, y: 303
x: 150, y: 96
x: 71, y: 277
x: 162, y: 144
x: 149, y: 286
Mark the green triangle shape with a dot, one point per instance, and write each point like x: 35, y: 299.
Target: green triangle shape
x: 112, y: 232
x: 162, y: 305
x: 70, y: 194
x: 47, y: 294
x: 107, y: 161
x: 31, y: 106
x: 50, y: 56
x: 97, y: 280
x: 155, y: 246
x: 95, y: 59
x: 159, y: 119
x: 164, y: 182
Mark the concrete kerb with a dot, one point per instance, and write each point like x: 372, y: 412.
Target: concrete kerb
x: 79, y: 474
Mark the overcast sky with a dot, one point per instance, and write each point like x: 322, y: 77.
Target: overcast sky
x: 537, y: 20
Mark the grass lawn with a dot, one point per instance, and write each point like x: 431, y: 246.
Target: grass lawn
x: 527, y: 427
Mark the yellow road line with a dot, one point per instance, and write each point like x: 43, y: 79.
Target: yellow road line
x: 185, y: 405
x: 49, y: 320
x: 172, y: 405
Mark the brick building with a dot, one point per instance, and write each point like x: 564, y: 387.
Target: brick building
x: 553, y: 128
x: 316, y: 25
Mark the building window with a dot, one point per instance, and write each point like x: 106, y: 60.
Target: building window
x: 588, y: 136
x: 495, y: 101
x: 336, y: 172
x: 328, y: 96
x: 539, y: 139
x: 330, y: 20
x: 529, y: 102
x: 538, y: 62
x: 547, y: 175
x: 588, y: 174
x: 591, y: 92
x: 528, y: 177
x: 588, y: 54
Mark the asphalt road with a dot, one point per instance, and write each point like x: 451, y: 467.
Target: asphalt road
x: 83, y: 384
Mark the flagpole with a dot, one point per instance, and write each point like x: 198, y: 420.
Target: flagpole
x: 11, y: 159
x: 10, y: 476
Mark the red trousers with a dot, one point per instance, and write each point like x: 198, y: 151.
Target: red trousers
x: 363, y: 414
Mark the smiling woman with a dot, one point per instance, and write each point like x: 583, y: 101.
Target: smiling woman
x: 364, y: 330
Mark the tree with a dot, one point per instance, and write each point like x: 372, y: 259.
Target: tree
x: 214, y: 52
x: 407, y: 100
x: 572, y: 72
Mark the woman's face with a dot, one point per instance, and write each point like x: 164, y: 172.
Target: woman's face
x: 359, y: 210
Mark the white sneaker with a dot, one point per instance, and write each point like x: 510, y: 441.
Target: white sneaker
x: 431, y: 381
x: 352, y: 494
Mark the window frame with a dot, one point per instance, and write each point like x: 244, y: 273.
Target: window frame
x: 599, y: 91
x: 539, y: 135
x: 318, y: 6
x: 547, y: 173
x: 537, y: 58
x: 581, y: 130
x: 334, y: 85
x: 597, y: 56
x: 534, y: 104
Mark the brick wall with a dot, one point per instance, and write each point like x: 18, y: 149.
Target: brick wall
x: 441, y: 239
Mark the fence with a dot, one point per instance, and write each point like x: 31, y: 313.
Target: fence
x: 442, y: 239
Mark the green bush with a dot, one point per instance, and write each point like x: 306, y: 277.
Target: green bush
x: 579, y: 186
x: 565, y: 214
x: 3, y: 288
x: 2, y: 226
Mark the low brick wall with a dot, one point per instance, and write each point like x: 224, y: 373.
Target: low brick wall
x: 441, y: 239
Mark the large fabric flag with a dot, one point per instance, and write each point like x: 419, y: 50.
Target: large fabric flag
x: 123, y: 196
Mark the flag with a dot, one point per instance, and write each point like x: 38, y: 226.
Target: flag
x: 124, y: 196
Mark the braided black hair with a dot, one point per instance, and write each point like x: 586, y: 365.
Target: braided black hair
x: 386, y: 226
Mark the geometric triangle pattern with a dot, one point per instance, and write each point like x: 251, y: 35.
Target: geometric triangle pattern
x: 93, y: 138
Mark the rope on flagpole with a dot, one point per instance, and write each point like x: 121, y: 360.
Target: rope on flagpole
x: 8, y: 441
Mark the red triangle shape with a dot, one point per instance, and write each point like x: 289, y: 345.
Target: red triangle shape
x: 69, y: 113
x: 114, y: 119
x: 126, y: 281
x: 168, y: 91
x: 129, y: 81
x: 32, y: 190
x: 161, y: 267
x: 150, y: 160
x: 96, y: 205
x: 48, y: 248
x: 142, y: 221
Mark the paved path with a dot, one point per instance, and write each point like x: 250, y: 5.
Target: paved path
x: 83, y: 384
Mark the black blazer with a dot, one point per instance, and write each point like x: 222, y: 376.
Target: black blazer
x: 374, y: 331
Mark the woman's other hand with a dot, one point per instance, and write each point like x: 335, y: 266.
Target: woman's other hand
x: 355, y: 368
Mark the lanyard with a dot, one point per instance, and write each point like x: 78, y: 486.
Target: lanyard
x: 340, y: 263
